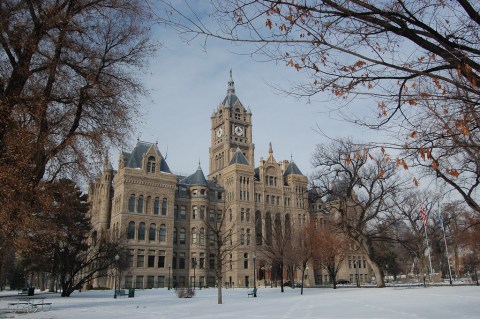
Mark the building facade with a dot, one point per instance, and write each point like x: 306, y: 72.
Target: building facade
x: 164, y: 217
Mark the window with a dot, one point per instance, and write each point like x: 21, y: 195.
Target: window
x: 161, y: 259
x: 130, y: 255
x: 212, y: 215
x: 201, y: 264
x: 248, y: 237
x: 182, y: 236
x: 139, y: 282
x: 181, y: 261
x: 161, y: 281
x: 140, y: 204
x: 131, y: 203
x: 202, y: 212
x: 175, y: 212
x: 247, y: 215
x: 174, y: 261
x: 151, y: 165
x: 140, y: 258
x: 151, y: 259
x: 131, y: 230
x: 245, y: 261
x: 164, y: 207
x: 174, y: 235
x: 211, y: 264
x: 183, y: 213
x: 150, y: 282
x: 156, y: 204
x: 194, y: 235
x: 202, y: 236
x: 152, y: 232
x: 141, y: 231
x: 242, y: 237
x: 194, y: 212
x: 242, y: 216
x: 162, y: 233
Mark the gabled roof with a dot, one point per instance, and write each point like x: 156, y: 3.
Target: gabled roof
x: 197, y: 178
x: 238, y: 158
x: 134, y: 159
x: 292, y: 169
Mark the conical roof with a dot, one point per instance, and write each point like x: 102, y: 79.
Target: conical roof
x: 238, y: 158
x: 197, y: 178
x: 292, y: 169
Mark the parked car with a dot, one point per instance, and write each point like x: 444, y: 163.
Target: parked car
x: 343, y: 282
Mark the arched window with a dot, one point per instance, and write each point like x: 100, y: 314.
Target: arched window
x: 194, y: 235
x: 182, y: 236
x: 140, y: 204
x: 162, y: 233
x: 131, y: 230
x: 151, y: 164
x: 164, y: 207
x: 152, y: 232
x: 131, y: 203
x: 156, y: 205
x: 174, y: 235
x: 141, y: 231
x: 202, y: 236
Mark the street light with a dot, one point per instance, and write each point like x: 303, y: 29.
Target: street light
x: 271, y: 278
x: 117, y: 257
x: 194, y: 264
x: 254, y: 278
x: 169, y: 267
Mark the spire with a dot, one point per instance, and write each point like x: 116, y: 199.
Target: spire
x: 231, y: 87
x: 270, y: 149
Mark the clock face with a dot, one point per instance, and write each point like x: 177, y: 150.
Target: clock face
x: 238, y: 130
x: 219, y: 132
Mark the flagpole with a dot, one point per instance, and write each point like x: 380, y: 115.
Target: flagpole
x: 445, y: 240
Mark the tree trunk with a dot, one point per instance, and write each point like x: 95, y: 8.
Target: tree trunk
x: 378, y: 274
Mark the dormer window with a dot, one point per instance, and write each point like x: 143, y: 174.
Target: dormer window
x: 151, y: 164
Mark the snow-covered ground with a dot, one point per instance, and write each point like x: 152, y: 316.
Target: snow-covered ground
x: 433, y: 302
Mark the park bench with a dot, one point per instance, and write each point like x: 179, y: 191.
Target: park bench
x: 252, y: 293
x: 23, y: 292
x: 40, y: 304
x: 122, y: 293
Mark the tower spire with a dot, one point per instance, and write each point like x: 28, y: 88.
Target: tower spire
x: 231, y: 86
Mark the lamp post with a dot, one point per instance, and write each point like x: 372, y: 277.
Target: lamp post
x: 194, y: 264
x: 169, y: 267
x: 254, y: 279
x: 271, y: 278
x: 117, y: 257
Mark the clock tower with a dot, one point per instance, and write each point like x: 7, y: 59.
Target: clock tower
x: 231, y: 130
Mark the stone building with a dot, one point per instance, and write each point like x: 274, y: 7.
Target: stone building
x: 164, y: 216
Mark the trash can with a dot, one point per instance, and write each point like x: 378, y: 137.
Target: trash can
x: 131, y: 292
x: 31, y: 291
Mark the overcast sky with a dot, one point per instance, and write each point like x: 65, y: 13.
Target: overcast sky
x: 187, y: 83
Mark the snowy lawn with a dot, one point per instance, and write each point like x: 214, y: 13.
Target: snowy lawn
x: 433, y: 302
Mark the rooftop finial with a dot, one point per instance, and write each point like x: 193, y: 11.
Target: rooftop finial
x: 199, y: 164
x: 231, y: 87
x: 270, y: 149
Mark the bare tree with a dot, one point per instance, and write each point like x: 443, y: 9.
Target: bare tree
x: 221, y: 232
x: 418, y: 60
x: 69, y: 89
x: 358, y: 187
x: 329, y: 247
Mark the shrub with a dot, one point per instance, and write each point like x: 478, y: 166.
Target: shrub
x: 185, y: 293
